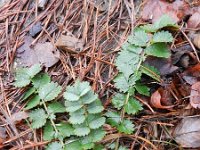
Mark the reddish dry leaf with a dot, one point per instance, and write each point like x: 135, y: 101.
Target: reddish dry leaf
x: 195, y: 95
x: 187, y: 132
x: 192, y: 74
x: 194, y: 20
x: 156, y: 99
x: 154, y: 9
x: 42, y: 53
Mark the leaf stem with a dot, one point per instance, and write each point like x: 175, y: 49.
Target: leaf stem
x: 52, y: 122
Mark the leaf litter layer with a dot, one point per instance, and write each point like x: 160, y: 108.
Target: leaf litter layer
x: 94, y: 33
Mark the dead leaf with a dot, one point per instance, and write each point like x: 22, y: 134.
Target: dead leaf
x: 182, y: 55
x: 194, y: 20
x: 187, y: 132
x: 192, y: 74
x: 36, y: 28
x: 42, y: 53
x: 16, y: 117
x: 156, y: 101
x: 195, y: 95
x: 164, y: 66
x: 154, y: 9
x: 69, y: 43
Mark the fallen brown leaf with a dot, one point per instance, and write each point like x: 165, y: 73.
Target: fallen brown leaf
x: 192, y: 74
x: 195, y: 95
x: 187, y: 132
x: 69, y: 43
x: 154, y: 9
x: 164, y: 66
x: 41, y: 53
x: 156, y: 99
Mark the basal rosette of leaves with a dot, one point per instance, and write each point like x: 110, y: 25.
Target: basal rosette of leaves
x: 146, y: 40
x: 84, y: 126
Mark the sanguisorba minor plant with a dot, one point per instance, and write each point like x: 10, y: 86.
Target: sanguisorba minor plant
x: 81, y: 130
x: 146, y: 40
x: 82, y: 127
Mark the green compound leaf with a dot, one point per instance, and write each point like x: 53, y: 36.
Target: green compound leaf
x: 35, y: 69
x: 133, y: 106
x: 118, y: 100
x: 94, y: 136
x: 74, y: 92
x: 149, y: 28
x: 74, y: 145
x: 49, y: 91
x: 33, y: 102
x: 65, y: 129
x: 140, y: 38
x: 165, y: 21
x: 22, y: 78
x: 121, y: 83
x: 124, y: 84
x: 95, y: 107
x: 162, y: 36
x: 49, y: 132
x: 56, y: 107
x: 38, y: 118
x: 24, y: 75
x: 28, y: 93
x: 113, y: 118
x: 54, y: 146
x: 95, y: 121
x: 99, y: 147
x: 77, y: 117
x: 127, y: 61
x: 40, y: 79
x: 158, y: 50
x: 73, y: 106
x: 87, y: 146
x: 81, y: 129
x: 89, y: 98
x: 142, y: 89
x: 126, y: 126
x: 151, y: 72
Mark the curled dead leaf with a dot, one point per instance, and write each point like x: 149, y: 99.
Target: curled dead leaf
x: 156, y: 101
x: 187, y: 132
x: 195, y: 95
